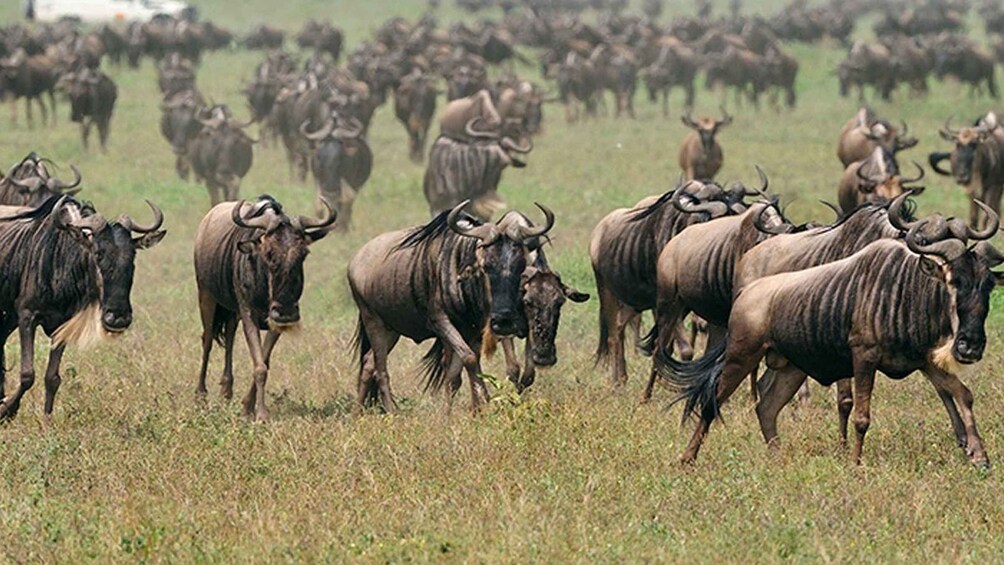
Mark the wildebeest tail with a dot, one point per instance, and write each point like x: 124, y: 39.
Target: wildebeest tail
x: 220, y: 318
x: 489, y: 343
x: 433, y: 369
x: 361, y: 345
x: 696, y: 382
x: 647, y: 343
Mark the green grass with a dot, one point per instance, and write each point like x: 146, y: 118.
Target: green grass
x: 133, y: 469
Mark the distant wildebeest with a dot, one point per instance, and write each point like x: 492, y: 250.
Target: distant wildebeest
x: 264, y: 37
x: 68, y: 270
x: 865, y: 131
x: 868, y: 64
x: 340, y: 154
x: 92, y: 100
x: 179, y: 124
x: 977, y: 162
x: 875, y: 179
x: 701, y: 154
x: 519, y: 100
x: 616, y: 70
x: 175, y: 74
x: 249, y: 269
x: 414, y: 106
x: 624, y: 248
x: 448, y: 280
x: 676, y: 65
x: 30, y: 183
x: 896, y: 306
x: 466, y: 161
x: 321, y: 36
x: 29, y: 77
x: 577, y: 84
x: 969, y: 64
x: 221, y: 154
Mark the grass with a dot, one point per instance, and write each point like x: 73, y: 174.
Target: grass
x: 133, y: 469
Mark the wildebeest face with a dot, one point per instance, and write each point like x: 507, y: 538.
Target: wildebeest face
x: 543, y: 296
x: 971, y: 282
x: 283, y: 250
x: 503, y: 262
x: 115, y: 251
x: 963, y: 158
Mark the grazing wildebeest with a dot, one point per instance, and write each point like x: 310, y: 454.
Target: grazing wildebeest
x: 977, y: 162
x: 68, y: 270
x: 92, y: 100
x: 700, y: 154
x: 414, y: 105
x: 448, y: 279
x: 865, y: 131
x: 221, y: 154
x: 249, y: 268
x: 895, y: 306
x: 179, y: 124
x: 340, y: 154
x: 30, y: 183
x: 875, y: 179
x: 624, y: 247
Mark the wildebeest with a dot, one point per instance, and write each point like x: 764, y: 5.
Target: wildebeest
x: 676, y: 65
x: 968, y: 63
x: 175, y: 74
x: 868, y: 65
x: 321, y: 36
x: 221, y: 154
x: 977, y: 162
x: 92, y: 100
x: 701, y: 154
x: 179, y: 124
x: 624, y: 248
x: 577, y: 83
x: 68, y: 270
x: 414, y: 106
x: 29, y: 77
x: 865, y: 131
x: 875, y: 179
x: 30, y: 183
x: 448, y: 279
x: 264, y: 37
x: 895, y: 306
x: 340, y: 154
x: 249, y: 268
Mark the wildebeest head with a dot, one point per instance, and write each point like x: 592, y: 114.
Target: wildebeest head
x: 967, y: 142
x: 707, y: 127
x: 114, y: 250
x: 81, y: 88
x: 967, y: 272
x: 30, y: 183
x: 502, y: 258
x: 884, y: 186
x: 543, y: 296
x: 180, y: 112
x: 281, y: 243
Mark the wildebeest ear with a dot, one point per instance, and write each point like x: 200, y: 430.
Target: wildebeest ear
x: 929, y: 267
x: 574, y: 295
x: 248, y: 246
x: 314, y: 235
x: 83, y: 235
x: 998, y: 278
x: 148, y: 240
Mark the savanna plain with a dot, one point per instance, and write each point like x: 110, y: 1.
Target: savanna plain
x: 133, y: 468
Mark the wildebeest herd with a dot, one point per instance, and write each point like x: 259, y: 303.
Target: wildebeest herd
x: 880, y: 288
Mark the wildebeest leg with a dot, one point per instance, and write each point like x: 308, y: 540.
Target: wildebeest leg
x: 85, y: 132
x: 529, y: 368
x: 953, y: 412
x: 453, y: 377
x: 512, y: 368
x: 6, y: 328
x: 207, y: 311
x: 864, y: 382
x: 231, y: 187
x: 964, y: 400
x: 374, y: 381
x: 992, y: 198
x: 777, y: 392
x: 845, y: 403
x: 45, y: 111
x: 614, y: 316
x: 28, y: 114
x: 271, y: 337
x: 52, y: 104
x: 254, y: 402
x: 227, y: 379
x: 215, y: 196
x: 665, y: 102
x: 13, y: 109
x: 52, y: 378
x: 452, y: 338
x: 103, y: 127
x: 26, y: 335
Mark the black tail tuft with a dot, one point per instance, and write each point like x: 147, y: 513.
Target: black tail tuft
x: 220, y: 318
x: 433, y: 369
x: 647, y: 343
x: 696, y: 382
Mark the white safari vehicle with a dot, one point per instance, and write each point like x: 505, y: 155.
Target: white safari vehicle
x: 100, y: 11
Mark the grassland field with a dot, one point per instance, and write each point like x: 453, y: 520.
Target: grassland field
x: 133, y: 469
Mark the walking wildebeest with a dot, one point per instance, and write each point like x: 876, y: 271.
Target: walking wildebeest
x: 221, y: 154
x: 448, y: 279
x: 30, y: 183
x: 179, y: 124
x: 92, y: 100
x: 414, y: 105
x: 29, y: 76
x: 700, y: 154
x: 977, y: 162
x: 895, y: 306
x: 249, y: 268
x: 68, y: 270
x: 340, y: 153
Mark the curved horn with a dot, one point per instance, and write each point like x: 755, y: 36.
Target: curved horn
x: 483, y: 232
x: 508, y: 143
x: 867, y: 179
x: 56, y: 184
x: 774, y: 230
x: 352, y: 132
x: 948, y: 249
x: 833, y: 207
x: 935, y: 158
x: 257, y: 222
x: 993, y: 223
x: 905, y: 129
x: 764, y: 183
x: 895, y: 213
x: 31, y: 184
x: 726, y: 118
x: 307, y: 223
x: 947, y: 128
x: 320, y: 133
x: 713, y: 208
x: 688, y: 121
x: 920, y: 174
x: 538, y: 231
x: 469, y: 130
x: 158, y: 220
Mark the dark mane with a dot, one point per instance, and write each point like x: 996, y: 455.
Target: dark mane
x: 42, y: 211
x: 643, y: 213
x: 909, y: 209
x: 432, y: 230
